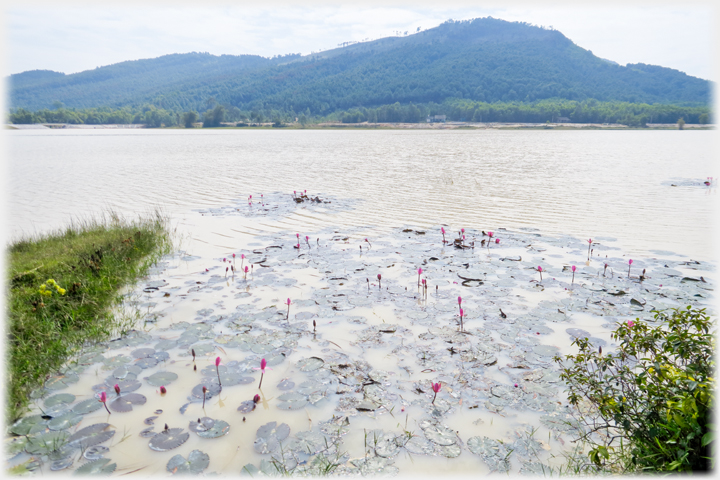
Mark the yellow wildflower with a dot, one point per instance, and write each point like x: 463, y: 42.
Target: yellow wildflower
x: 62, y: 291
x: 51, y: 281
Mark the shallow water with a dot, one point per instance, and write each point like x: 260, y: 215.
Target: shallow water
x: 588, y: 183
x: 378, y: 345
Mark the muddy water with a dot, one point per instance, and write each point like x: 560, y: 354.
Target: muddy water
x: 367, y: 401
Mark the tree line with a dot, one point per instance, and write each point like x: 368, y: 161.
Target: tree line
x: 548, y: 110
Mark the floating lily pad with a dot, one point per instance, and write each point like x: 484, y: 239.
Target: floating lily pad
x: 440, y: 435
x: 92, y: 435
x: 61, y: 381
x: 58, y: 399
x: 64, y: 421
x: 269, y: 436
x: 158, y: 379
x: 148, y: 432
x: 212, y: 390
x: 310, y: 364
x: 196, y: 462
x: 168, y: 439
x: 292, y: 401
x: 61, y: 464
x: 285, y: 385
x: 46, y: 443
x: 96, y: 452
x: 546, y: 350
x: 419, y: 445
x: 26, y: 424
x: 87, y: 406
x: 219, y: 428
x: 142, y: 352
x: 124, y: 403
x: 247, y: 406
x: 97, y: 467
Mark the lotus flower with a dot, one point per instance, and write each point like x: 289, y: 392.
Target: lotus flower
x: 307, y: 240
x: 379, y: 280
x: 461, y: 319
x: 539, y: 269
x: 459, y: 300
x: 419, y: 273
x: 497, y: 240
x: 442, y: 229
x: 573, y: 278
x: 103, y: 399
x: 117, y: 389
x: 368, y: 241
x: 589, y: 245
x: 263, y: 364
x: 629, y: 267
x: 217, y: 369
x: 246, y: 270
x: 256, y: 398
x: 204, y: 392
x: 163, y: 390
x: 288, y: 313
x: 436, y: 389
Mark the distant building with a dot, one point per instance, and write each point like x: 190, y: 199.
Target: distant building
x: 436, y: 118
x: 563, y: 120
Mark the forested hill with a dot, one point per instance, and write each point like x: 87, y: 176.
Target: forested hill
x: 485, y: 59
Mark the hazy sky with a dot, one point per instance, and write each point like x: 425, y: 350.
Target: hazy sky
x: 74, y: 36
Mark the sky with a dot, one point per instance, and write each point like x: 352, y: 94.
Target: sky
x: 70, y: 37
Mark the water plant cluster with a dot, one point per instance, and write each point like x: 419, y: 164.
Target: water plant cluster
x: 350, y: 354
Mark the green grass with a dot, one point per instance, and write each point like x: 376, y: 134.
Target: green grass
x: 82, y: 270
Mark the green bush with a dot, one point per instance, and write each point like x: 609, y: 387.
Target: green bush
x: 647, y: 406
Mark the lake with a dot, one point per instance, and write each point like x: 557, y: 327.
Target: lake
x: 354, y: 391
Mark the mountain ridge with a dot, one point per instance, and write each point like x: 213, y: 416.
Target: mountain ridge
x: 483, y: 59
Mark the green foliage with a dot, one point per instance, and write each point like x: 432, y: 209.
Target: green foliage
x: 61, y: 290
x: 655, y: 394
x: 189, y: 118
x: 483, y: 60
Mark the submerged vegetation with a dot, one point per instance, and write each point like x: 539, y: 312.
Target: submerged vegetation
x: 61, y: 288
x: 648, y: 405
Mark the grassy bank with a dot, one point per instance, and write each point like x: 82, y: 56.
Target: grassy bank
x: 60, y: 290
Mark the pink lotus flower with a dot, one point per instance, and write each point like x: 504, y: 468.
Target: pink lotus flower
x: 246, y: 270
x: 461, y: 319
x: 419, y: 273
x: 263, y: 364
x: 204, y: 392
x: 629, y: 267
x: 163, y: 390
x: 256, y: 398
x: 288, y: 312
x: 117, y: 389
x: 516, y: 385
x: 589, y: 245
x: 103, y: 399
x: 573, y: 278
x: 379, y: 279
x: 490, y: 234
x: 442, y: 229
x: 436, y: 389
x: 368, y: 242
x: 217, y: 369
x: 459, y: 300
x: 539, y: 269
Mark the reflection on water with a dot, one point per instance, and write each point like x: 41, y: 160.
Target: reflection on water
x: 589, y: 183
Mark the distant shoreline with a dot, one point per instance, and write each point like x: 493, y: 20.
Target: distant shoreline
x: 388, y: 126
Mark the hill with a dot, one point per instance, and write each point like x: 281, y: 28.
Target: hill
x: 483, y: 60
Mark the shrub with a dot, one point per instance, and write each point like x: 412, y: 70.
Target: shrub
x: 648, y: 405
